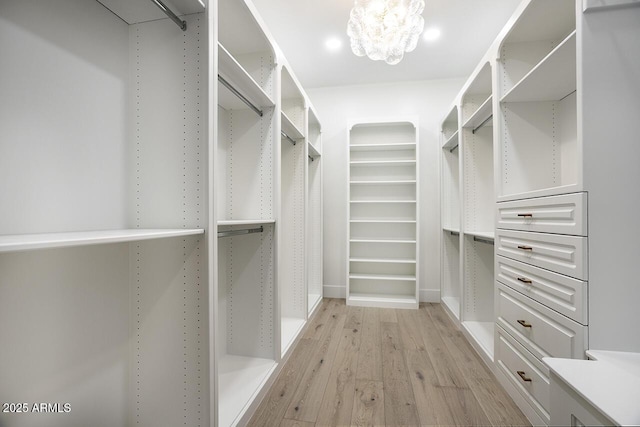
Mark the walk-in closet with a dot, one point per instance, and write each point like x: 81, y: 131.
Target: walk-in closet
x: 274, y: 213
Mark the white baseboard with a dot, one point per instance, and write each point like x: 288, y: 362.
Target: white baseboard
x: 426, y: 295
x: 334, y: 291
x: 429, y: 295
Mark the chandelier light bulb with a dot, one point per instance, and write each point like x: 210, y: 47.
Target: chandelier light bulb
x: 384, y: 30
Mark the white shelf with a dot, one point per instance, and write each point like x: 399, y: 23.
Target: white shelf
x: 407, y: 181
x: 482, y: 333
x: 382, y: 147
x: 289, y: 329
x: 382, y: 162
x: 133, y: 12
x: 552, y: 79
x: 453, y: 305
x: 400, y: 277
x: 239, y: 379
x: 290, y: 129
x: 246, y: 221
x: 27, y: 242
x: 382, y: 300
x: 313, y: 151
x: 239, y: 78
x: 490, y: 235
x: 383, y: 260
x: 381, y: 241
x: 452, y: 142
x: 383, y: 221
x: 481, y: 115
x: 383, y: 201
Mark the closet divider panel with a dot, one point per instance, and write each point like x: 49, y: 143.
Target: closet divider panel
x: 314, y: 213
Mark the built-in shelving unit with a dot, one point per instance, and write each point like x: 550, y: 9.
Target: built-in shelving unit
x: 383, y: 212
x: 293, y: 191
x: 314, y: 211
x: 104, y: 232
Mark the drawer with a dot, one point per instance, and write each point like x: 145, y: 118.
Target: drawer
x: 538, y: 328
x: 564, y: 214
x: 561, y: 293
x: 559, y: 253
x: 529, y: 375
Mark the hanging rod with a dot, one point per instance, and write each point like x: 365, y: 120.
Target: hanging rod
x: 240, y: 232
x: 454, y: 233
x: 180, y: 23
x: 239, y: 95
x: 569, y: 94
x: 453, y: 149
x: 482, y: 124
x: 293, y: 141
x: 481, y: 240
x: 310, y: 158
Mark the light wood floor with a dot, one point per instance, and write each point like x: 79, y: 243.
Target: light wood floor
x: 374, y: 367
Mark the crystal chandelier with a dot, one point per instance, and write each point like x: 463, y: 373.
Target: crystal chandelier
x: 385, y: 29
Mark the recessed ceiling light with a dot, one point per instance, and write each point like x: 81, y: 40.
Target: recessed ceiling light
x: 333, y: 44
x: 431, y: 34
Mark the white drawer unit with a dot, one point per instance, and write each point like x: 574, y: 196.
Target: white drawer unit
x: 562, y: 254
x: 528, y: 374
x: 541, y: 330
x: 561, y: 293
x: 563, y: 214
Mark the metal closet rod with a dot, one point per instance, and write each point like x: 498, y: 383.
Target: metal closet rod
x: 310, y: 158
x: 291, y: 140
x: 453, y: 149
x: 240, y: 232
x: 482, y: 124
x: 239, y: 95
x: 481, y: 240
x: 454, y: 233
x: 180, y: 23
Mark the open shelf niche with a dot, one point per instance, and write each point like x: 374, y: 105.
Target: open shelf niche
x: 293, y: 165
x: 450, y: 287
x: 246, y: 179
x: 538, y: 104
x: 383, y: 212
x: 314, y: 211
x: 103, y: 281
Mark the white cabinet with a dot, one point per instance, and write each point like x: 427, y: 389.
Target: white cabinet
x: 383, y: 212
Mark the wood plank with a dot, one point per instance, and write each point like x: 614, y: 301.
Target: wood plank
x: 274, y: 405
x: 305, y: 403
x: 399, y: 403
x: 293, y: 423
x: 496, y: 403
x: 317, y: 326
x: 370, y: 357
x: 337, y: 403
x: 464, y: 407
x: 388, y: 315
x: 368, y: 407
x: 410, y: 330
x: 430, y: 398
x: 354, y: 317
x: 449, y: 375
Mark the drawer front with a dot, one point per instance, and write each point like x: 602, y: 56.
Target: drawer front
x: 564, y: 214
x: 562, y: 254
x: 541, y: 330
x: 528, y: 375
x: 561, y: 293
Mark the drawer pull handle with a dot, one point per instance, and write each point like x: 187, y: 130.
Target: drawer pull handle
x: 524, y: 323
x: 523, y: 376
x: 524, y: 280
x: 526, y: 215
x: 525, y: 248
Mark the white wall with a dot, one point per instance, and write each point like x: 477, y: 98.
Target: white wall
x: 429, y: 101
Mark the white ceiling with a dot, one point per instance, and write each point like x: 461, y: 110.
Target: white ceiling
x: 300, y: 27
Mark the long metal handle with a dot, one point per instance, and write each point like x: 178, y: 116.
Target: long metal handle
x: 239, y: 95
x: 291, y: 140
x: 524, y: 280
x: 524, y: 323
x: 526, y: 215
x: 229, y: 233
x: 524, y: 376
x: 525, y: 248
x: 180, y: 23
